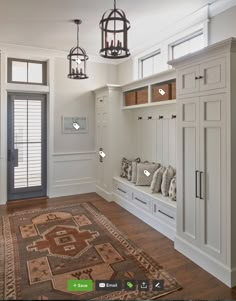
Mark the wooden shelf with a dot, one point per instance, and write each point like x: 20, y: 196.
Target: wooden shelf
x: 152, y: 104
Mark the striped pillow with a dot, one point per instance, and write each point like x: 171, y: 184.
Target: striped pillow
x: 167, y: 177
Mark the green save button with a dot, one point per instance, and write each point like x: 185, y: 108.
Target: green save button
x: 80, y: 285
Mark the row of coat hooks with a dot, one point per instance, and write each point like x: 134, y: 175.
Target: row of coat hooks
x: 159, y: 117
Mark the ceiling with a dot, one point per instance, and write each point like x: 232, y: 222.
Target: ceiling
x: 47, y: 23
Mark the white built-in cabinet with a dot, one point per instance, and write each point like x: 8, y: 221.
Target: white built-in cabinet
x: 205, y: 141
x: 112, y: 137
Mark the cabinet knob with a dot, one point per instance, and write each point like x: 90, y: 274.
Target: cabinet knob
x: 200, y: 77
x: 149, y: 117
x: 101, y: 100
x: 173, y: 117
x: 140, y: 118
x: 161, y: 117
x: 196, y: 77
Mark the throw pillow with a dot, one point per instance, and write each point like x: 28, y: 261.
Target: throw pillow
x: 129, y: 174
x: 172, y: 190
x: 125, y: 163
x: 167, y: 177
x: 143, y: 178
x: 134, y: 171
x: 157, y: 180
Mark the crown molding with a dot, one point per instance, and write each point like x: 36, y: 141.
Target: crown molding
x: 220, y: 6
x: 44, y: 53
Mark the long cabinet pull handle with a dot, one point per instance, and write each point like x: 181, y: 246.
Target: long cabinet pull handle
x: 165, y: 214
x: 201, y: 190
x: 196, y: 183
x: 140, y: 201
x: 121, y: 190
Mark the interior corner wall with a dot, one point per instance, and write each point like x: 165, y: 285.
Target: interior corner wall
x: 74, y: 155
x: 125, y: 72
x: 223, y: 26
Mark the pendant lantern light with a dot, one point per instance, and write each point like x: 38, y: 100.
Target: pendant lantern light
x: 114, y: 27
x: 77, y: 59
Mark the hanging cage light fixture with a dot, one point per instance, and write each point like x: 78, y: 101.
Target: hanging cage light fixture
x: 114, y: 27
x: 77, y: 59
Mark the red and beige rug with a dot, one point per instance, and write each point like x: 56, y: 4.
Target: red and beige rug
x: 41, y: 250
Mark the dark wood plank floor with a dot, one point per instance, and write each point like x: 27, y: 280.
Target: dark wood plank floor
x: 196, y: 283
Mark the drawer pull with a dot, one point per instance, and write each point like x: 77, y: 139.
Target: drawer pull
x: 121, y: 190
x: 155, y: 208
x: 165, y: 214
x: 140, y: 201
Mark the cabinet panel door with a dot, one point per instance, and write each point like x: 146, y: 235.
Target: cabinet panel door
x: 188, y: 164
x: 187, y: 80
x: 213, y: 75
x: 102, y: 143
x: 213, y: 176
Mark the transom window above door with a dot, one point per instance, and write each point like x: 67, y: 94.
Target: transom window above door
x: 27, y: 72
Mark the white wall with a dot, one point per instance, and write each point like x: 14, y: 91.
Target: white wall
x: 71, y: 158
x: 223, y: 26
x: 75, y: 98
x: 74, y: 157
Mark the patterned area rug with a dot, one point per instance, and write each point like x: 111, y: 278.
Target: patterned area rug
x: 40, y: 250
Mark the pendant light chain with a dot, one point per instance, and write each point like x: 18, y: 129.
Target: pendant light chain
x: 77, y: 59
x: 77, y: 34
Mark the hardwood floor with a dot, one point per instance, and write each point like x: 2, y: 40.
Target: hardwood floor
x: 196, y: 283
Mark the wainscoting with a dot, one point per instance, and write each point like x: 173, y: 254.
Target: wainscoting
x: 73, y: 173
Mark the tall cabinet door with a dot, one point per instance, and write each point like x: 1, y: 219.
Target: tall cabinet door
x: 187, y: 170
x: 102, y: 141
x: 213, y: 174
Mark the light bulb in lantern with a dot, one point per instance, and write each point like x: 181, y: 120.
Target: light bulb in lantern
x: 78, y: 60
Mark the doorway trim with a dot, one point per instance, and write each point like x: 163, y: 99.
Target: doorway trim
x: 26, y: 192
x: 49, y: 92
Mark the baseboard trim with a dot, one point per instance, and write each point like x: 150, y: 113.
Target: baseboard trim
x: 233, y: 277
x: 146, y: 217
x: 206, y: 262
x: 104, y: 194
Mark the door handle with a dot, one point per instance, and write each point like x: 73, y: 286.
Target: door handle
x: 196, y: 183
x: 13, y: 156
x: 201, y: 190
x: 100, y: 157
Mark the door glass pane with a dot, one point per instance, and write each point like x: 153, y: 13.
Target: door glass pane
x: 28, y: 142
x: 20, y: 172
x: 19, y: 71
x: 20, y: 121
x: 35, y: 73
x: 34, y: 142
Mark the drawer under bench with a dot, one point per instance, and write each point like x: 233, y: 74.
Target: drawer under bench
x: 154, y: 209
